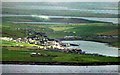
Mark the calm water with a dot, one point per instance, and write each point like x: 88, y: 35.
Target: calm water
x: 91, y: 7
x: 59, y: 69
x: 110, y: 11
x: 95, y: 47
x: 77, y: 7
x: 113, y: 20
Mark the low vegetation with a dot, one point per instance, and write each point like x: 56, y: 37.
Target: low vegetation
x: 23, y: 54
x: 62, y: 30
x: 11, y: 52
x: 87, y: 29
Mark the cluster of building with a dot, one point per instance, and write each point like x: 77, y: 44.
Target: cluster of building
x: 37, y: 38
x: 41, y: 39
x: 6, y: 38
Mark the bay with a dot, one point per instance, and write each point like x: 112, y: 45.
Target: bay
x: 95, y: 47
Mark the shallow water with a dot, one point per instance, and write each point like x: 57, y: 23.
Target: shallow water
x: 95, y: 47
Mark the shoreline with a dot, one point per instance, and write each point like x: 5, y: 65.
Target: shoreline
x: 60, y: 63
x: 108, y: 43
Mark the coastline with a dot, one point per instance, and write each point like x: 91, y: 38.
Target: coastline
x: 60, y: 63
x: 108, y: 43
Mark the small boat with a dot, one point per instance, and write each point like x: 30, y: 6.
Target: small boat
x: 74, y: 45
x: 65, y: 44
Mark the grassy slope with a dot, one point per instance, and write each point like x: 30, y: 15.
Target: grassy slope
x: 86, y: 29
x: 58, y: 13
x: 9, y: 30
x: 58, y: 31
x: 11, y: 52
x: 19, y: 30
x: 24, y: 55
x: 12, y: 43
x: 113, y: 32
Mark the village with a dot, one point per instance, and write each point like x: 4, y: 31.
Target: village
x: 44, y: 42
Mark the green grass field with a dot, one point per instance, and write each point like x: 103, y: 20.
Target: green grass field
x: 12, y: 43
x: 59, y: 31
x: 11, y: 52
x: 22, y: 54
x: 62, y: 30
